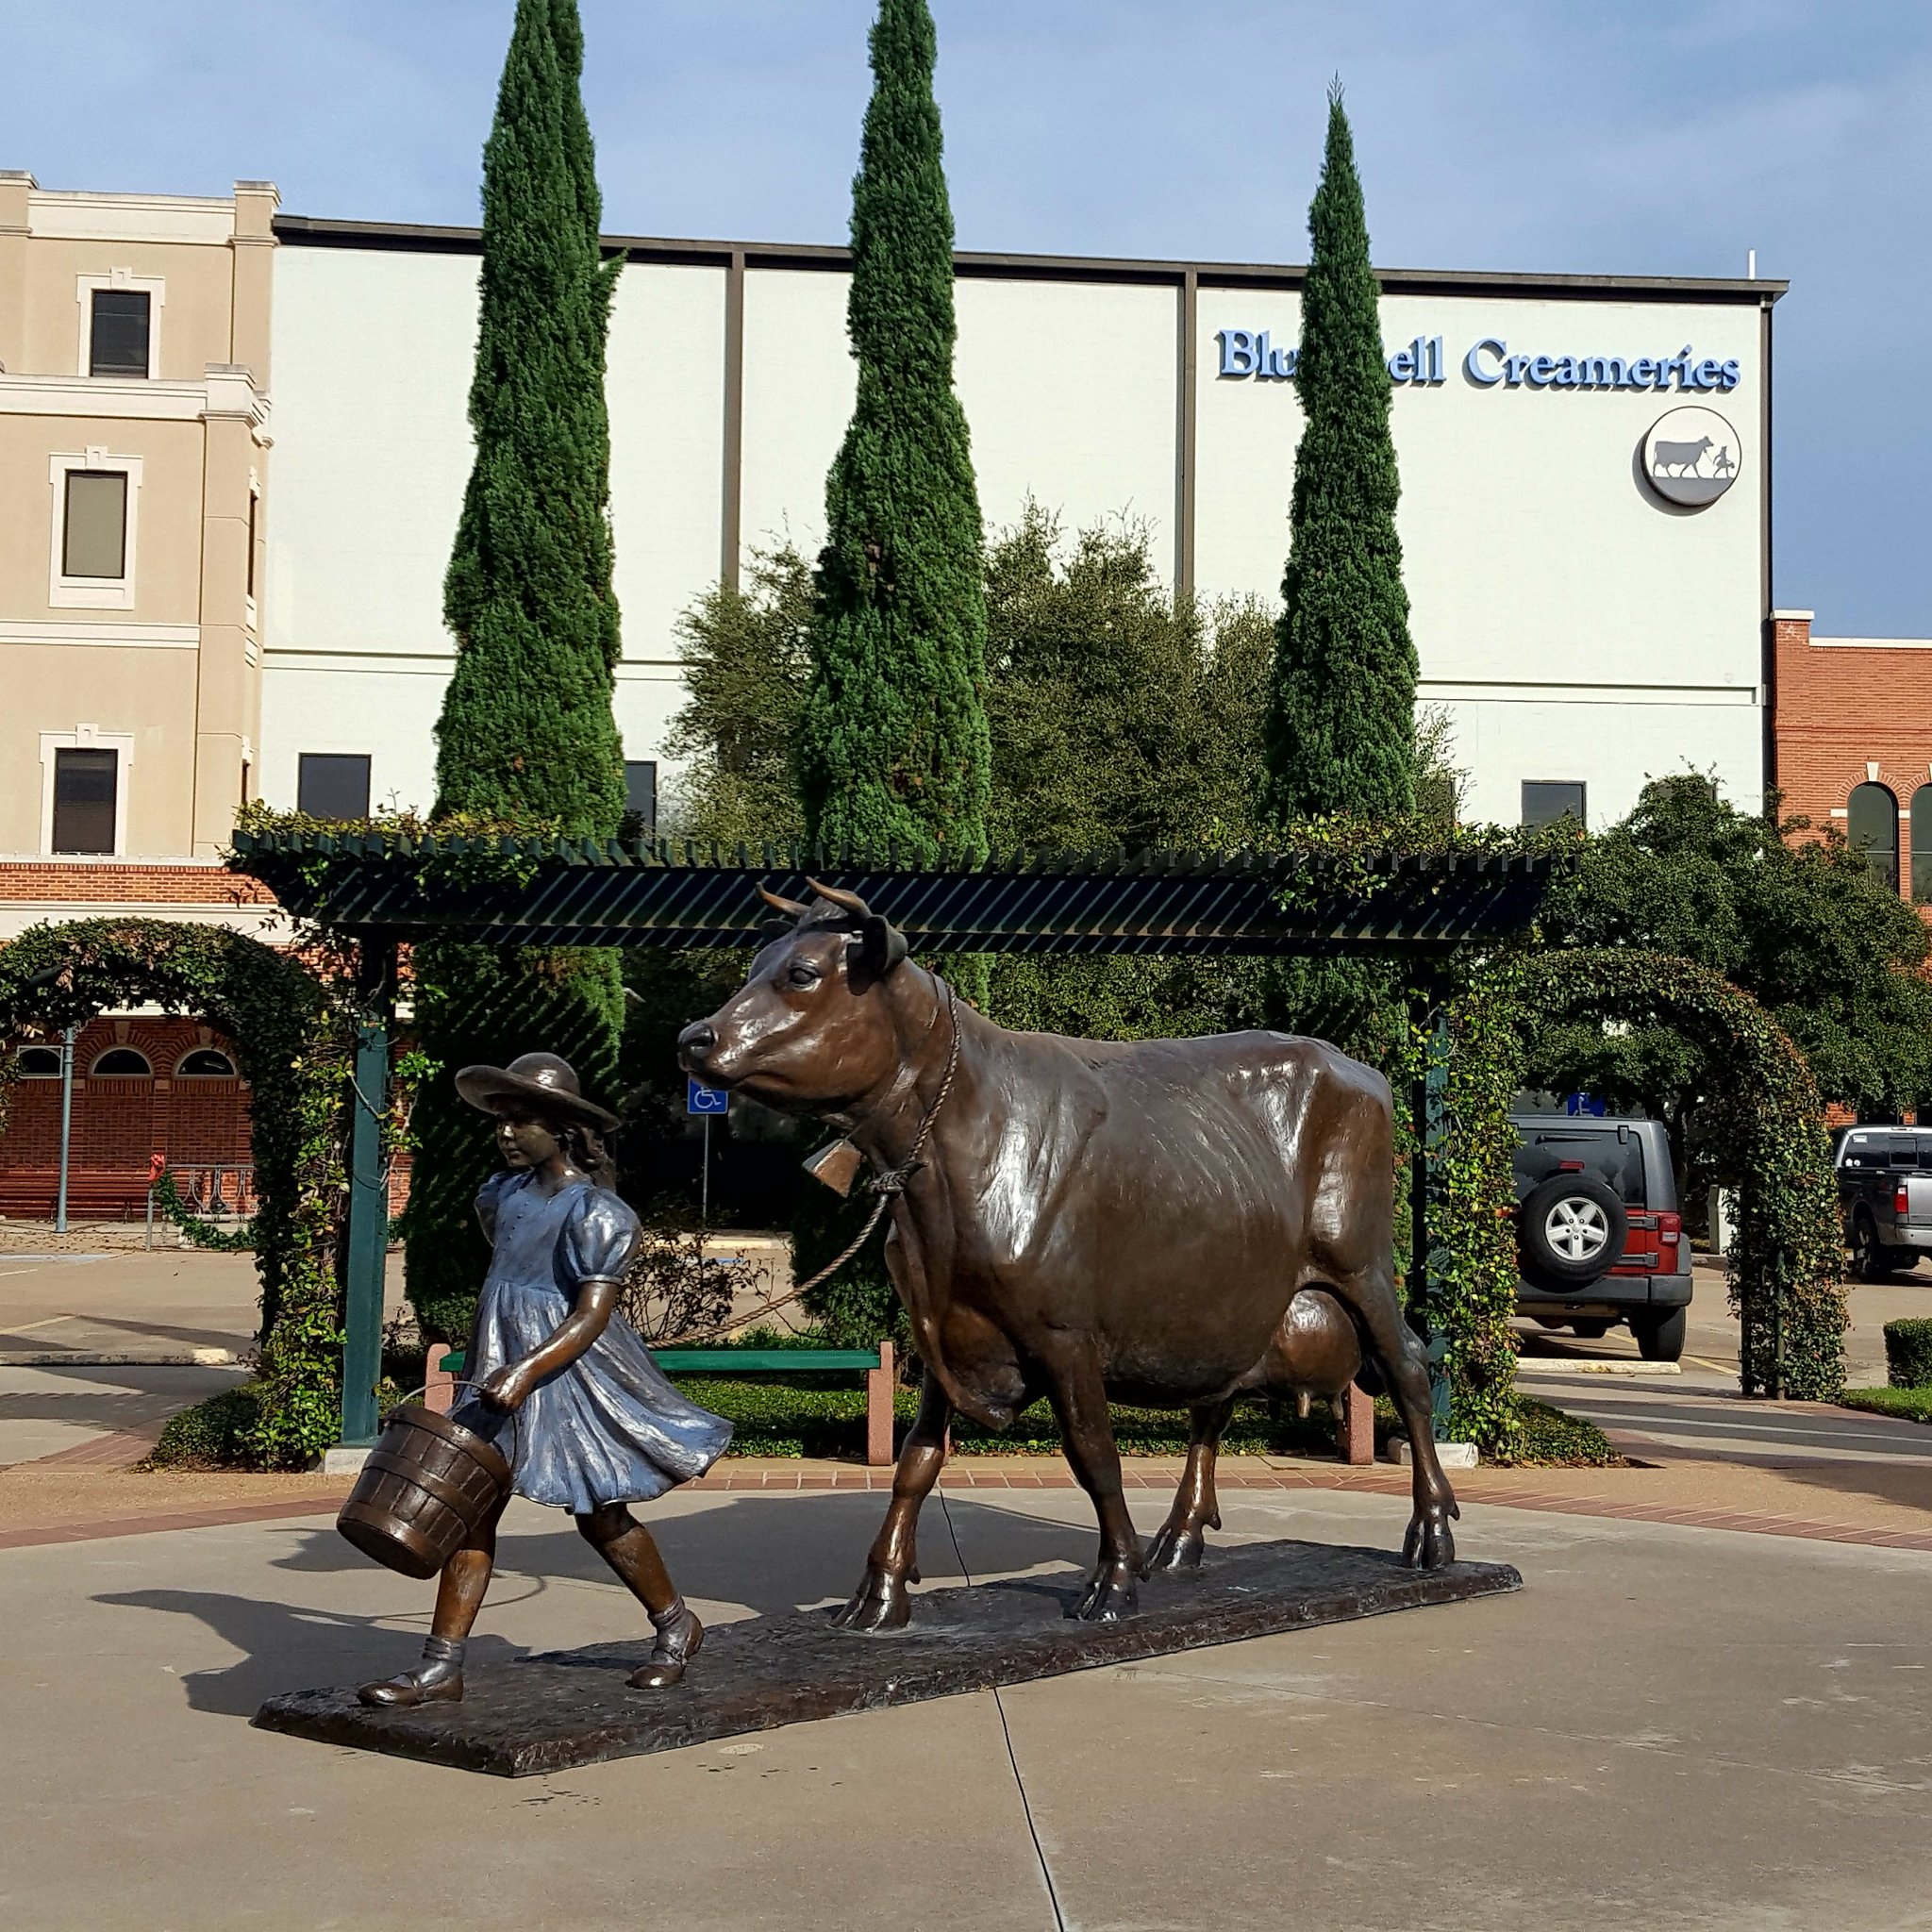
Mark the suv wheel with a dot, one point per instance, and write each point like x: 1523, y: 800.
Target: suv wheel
x: 1659, y: 1333
x: 1572, y: 1231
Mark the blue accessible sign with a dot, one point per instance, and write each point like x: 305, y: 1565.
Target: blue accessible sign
x: 698, y: 1098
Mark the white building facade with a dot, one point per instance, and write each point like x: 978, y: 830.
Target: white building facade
x: 1585, y: 466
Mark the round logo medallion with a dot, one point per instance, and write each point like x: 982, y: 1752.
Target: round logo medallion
x: 1691, y: 456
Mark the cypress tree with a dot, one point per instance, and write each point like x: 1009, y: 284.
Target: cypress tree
x: 1340, y: 732
x: 1341, y: 729
x: 527, y: 726
x: 893, y: 744
x: 526, y: 731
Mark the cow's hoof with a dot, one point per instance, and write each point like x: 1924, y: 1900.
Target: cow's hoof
x: 1110, y: 1596
x: 1173, y: 1548
x: 880, y: 1602
x: 1429, y: 1543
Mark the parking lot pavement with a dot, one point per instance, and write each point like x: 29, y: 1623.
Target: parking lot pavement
x: 1722, y: 1426
x: 169, y: 1302
x: 1710, y: 1351
x: 1667, y: 1727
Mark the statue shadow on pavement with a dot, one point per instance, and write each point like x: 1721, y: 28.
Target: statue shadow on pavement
x: 744, y: 1553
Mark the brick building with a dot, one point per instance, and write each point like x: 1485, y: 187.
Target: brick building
x: 1852, y: 742
x: 143, y: 1085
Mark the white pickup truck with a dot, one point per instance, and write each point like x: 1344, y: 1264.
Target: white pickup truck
x: 1884, y: 1190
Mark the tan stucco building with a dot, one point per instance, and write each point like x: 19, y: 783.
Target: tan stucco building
x: 134, y: 447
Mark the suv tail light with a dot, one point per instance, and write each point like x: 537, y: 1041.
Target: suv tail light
x: 1901, y: 1200
x: 1670, y: 1229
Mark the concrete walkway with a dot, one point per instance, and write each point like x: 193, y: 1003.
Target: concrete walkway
x: 1669, y: 1727
x: 61, y: 1412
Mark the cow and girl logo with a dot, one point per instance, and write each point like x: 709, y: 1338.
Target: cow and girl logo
x: 1691, y: 457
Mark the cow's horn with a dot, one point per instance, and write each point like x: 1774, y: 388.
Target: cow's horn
x: 791, y: 907
x: 845, y: 902
x: 882, y: 943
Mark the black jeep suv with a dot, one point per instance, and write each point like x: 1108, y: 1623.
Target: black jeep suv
x: 1598, y: 1229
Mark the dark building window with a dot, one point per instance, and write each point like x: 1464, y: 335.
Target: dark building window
x: 1922, y: 844
x: 1871, y: 824
x: 118, y: 337
x: 39, y: 1063
x: 641, y: 790
x: 253, y: 502
x: 84, y: 787
x: 333, y: 785
x: 122, y: 1063
x: 93, y: 538
x: 205, y: 1063
x: 1546, y: 800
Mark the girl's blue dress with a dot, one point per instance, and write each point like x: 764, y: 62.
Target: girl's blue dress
x: 609, y: 1428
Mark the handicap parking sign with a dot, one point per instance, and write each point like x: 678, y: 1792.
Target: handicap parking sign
x: 698, y: 1098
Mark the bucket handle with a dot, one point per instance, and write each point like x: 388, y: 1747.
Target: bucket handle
x: 516, y: 1440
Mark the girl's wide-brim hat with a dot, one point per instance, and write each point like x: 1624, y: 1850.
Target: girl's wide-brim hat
x: 539, y: 1082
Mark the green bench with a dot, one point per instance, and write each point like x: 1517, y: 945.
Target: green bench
x: 442, y: 1373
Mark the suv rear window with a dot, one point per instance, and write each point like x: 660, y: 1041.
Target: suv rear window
x: 1542, y: 1152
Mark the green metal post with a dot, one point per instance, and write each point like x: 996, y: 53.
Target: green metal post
x: 368, y: 1246
x: 1429, y: 1103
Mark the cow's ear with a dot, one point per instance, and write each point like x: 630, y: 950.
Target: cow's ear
x: 882, y: 944
x: 770, y: 929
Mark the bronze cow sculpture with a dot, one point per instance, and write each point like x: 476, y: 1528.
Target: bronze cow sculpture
x: 1174, y: 1222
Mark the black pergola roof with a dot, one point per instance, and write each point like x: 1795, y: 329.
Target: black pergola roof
x: 641, y: 892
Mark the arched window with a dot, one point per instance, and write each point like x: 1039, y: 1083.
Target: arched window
x: 1873, y: 827
x: 122, y: 1063
x: 39, y: 1063
x: 1922, y: 844
x: 205, y: 1063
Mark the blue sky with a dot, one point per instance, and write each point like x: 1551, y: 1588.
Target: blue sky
x: 1632, y: 137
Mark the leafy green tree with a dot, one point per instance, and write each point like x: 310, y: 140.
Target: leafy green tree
x: 526, y: 731
x: 1800, y: 922
x: 746, y: 660
x: 1339, y: 735
x: 1119, y: 717
x: 893, y: 744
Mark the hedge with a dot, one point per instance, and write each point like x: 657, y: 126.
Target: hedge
x: 1908, y: 1353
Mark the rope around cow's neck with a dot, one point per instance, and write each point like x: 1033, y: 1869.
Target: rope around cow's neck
x: 886, y: 1186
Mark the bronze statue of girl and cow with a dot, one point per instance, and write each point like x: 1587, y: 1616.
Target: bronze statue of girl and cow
x: 1172, y: 1222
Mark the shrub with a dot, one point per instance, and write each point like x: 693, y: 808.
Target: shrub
x: 1908, y: 1353
x: 676, y: 1287
x: 1549, y: 1436
x: 212, y: 1435
x: 774, y: 1415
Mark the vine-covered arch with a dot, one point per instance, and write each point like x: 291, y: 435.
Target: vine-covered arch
x: 1787, y: 1254
x: 293, y: 1041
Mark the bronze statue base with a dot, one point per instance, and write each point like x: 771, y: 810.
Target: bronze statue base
x: 558, y: 1710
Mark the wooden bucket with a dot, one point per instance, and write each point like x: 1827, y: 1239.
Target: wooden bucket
x: 428, y: 1483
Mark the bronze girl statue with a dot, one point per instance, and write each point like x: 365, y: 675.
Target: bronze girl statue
x: 564, y: 1386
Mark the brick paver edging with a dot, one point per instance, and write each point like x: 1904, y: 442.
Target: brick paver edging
x: 774, y: 1480
x: 323, y: 1504
x: 1373, y: 1481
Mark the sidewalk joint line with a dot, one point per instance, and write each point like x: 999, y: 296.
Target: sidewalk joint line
x: 999, y: 1705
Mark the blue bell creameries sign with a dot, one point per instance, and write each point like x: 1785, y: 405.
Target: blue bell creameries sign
x: 1490, y: 364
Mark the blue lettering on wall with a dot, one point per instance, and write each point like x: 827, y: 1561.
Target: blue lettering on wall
x: 1489, y: 364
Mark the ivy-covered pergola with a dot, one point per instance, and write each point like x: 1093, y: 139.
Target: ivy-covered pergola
x: 1422, y: 909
